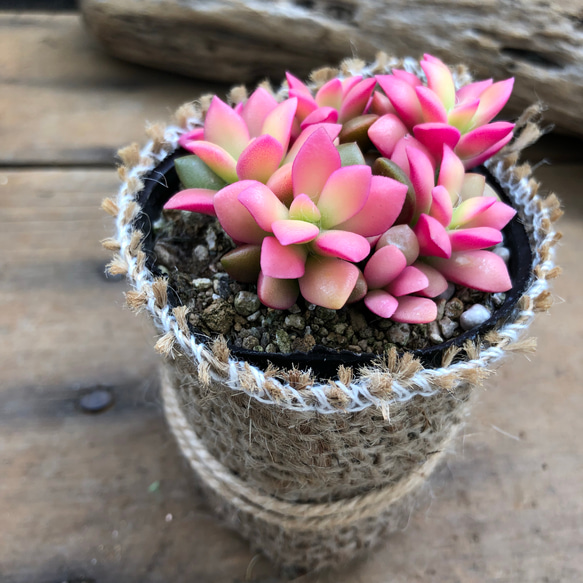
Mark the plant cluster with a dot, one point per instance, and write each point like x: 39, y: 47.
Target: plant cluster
x: 360, y: 191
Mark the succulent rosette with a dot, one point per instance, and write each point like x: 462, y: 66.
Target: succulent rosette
x: 437, y: 114
x: 312, y: 246
x: 355, y: 191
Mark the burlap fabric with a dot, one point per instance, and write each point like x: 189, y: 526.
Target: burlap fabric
x: 314, y: 471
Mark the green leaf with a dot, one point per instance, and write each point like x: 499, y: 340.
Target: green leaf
x: 350, y: 154
x: 194, y: 173
x: 388, y: 168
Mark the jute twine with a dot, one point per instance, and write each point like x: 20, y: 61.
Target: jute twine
x: 313, y: 471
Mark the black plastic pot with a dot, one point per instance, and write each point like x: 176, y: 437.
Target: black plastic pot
x: 163, y: 182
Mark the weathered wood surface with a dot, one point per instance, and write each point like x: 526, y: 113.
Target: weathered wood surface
x: 106, y: 498
x: 64, y: 102
x: 540, y: 43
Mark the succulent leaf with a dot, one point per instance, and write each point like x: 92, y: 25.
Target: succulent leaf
x: 243, y: 263
x: 260, y: 159
x: 411, y: 280
x: 474, y: 238
x: 403, y: 98
x: 432, y: 236
x: 441, y: 207
x: 415, y: 310
x: 278, y: 122
x: 384, y: 265
x: 431, y: 106
x: 496, y: 217
x: 381, y: 303
x: 355, y: 99
x: 194, y: 173
x: 386, y: 132
x: 290, y: 231
x: 437, y: 283
x: 328, y: 282
x: 226, y: 128
x: 344, y: 194
x: 303, y: 209
x: 282, y: 261
x: 263, y: 205
x: 350, y: 154
x: 254, y: 111
x: 356, y: 130
x: 217, y: 159
x: 477, y: 269
x: 470, y: 209
x: 381, y: 209
x: 316, y: 160
x: 279, y: 294
x: 341, y: 244
x: 439, y: 80
x: 234, y: 217
x: 492, y: 100
x: 402, y: 237
x: 198, y: 200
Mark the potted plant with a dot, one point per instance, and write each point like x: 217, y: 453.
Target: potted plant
x: 342, y: 282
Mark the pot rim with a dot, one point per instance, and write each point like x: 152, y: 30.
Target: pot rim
x: 163, y: 182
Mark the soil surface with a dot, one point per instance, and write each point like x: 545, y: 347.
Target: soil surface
x: 188, y: 249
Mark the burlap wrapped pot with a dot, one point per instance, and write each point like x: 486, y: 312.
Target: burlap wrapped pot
x: 313, y: 471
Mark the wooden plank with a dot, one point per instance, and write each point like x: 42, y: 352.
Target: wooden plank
x: 70, y: 104
x: 66, y: 102
x: 78, y: 495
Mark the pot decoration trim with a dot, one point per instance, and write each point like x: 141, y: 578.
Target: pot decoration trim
x: 312, y: 471
x: 398, y: 377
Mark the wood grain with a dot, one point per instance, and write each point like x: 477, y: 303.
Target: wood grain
x: 539, y: 43
x: 106, y: 498
x: 64, y: 102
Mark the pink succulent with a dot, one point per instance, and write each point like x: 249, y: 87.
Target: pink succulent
x: 437, y: 114
x: 249, y: 142
x: 336, y: 101
x: 312, y: 246
x: 304, y: 212
x: 457, y: 216
x: 399, y: 285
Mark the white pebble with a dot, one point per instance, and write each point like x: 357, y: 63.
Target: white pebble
x: 202, y: 283
x: 473, y: 317
x: 502, y: 252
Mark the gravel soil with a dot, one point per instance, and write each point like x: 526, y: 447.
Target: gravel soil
x: 188, y: 249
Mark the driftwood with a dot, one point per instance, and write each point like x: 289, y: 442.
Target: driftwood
x: 538, y: 42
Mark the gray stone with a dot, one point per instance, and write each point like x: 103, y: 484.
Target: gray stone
x: 96, y: 401
x: 202, y: 283
x: 295, y: 321
x: 434, y: 333
x: 399, y: 333
x: 474, y: 316
x: 454, y: 308
x: 219, y: 316
x: 283, y: 341
x: 246, y: 303
x: 498, y: 299
x: 447, y: 327
x: 540, y: 43
x: 201, y: 253
x: 250, y: 342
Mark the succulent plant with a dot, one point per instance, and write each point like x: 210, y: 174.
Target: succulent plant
x: 313, y: 245
x: 352, y: 193
x: 437, y: 114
